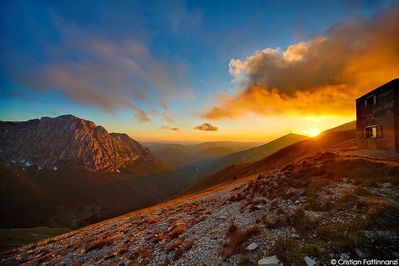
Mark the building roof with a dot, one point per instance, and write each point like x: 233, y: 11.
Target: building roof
x: 393, y: 84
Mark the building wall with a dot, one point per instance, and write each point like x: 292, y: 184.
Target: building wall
x: 384, y: 114
x: 397, y: 117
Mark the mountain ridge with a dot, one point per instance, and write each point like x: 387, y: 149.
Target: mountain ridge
x: 47, y: 141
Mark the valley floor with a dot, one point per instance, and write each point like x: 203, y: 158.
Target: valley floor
x: 324, y: 206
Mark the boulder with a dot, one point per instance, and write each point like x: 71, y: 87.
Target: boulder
x: 386, y: 185
x: 270, y: 261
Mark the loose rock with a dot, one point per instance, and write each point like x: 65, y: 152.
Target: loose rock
x: 270, y: 261
x: 252, y: 246
x: 309, y: 261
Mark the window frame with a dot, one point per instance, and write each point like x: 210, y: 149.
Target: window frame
x: 373, y: 132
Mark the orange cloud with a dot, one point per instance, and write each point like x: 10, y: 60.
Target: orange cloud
x: 206, y: 127
x: 320, y: 77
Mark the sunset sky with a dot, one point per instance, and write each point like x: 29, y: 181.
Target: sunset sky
x: 196, y: 70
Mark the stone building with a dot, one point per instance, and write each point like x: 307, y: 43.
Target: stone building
x: 377, y: 118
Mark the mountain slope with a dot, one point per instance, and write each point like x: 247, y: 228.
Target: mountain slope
x: 344, y: 127
x: 279, y: 158
x: 73, y: 196
x: 47, y: 142
x: 257, y: 153
x: 205, y: 168
x: 67, y: 172
x: 181, y: 155
x: 327, y: 204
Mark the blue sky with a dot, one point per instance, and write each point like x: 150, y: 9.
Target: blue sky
x: 134, y: 66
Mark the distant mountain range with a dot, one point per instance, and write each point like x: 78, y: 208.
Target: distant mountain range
x: 180, y: 155
x: 199, y: 170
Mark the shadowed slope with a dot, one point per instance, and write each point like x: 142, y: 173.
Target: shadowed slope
x: 73, y: 196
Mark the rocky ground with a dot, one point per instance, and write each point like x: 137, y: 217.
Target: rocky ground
x: 327, y: 205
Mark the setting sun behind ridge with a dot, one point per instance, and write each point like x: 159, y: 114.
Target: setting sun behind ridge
x: 314, y: 132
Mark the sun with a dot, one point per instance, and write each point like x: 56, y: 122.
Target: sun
x: 314, y: 132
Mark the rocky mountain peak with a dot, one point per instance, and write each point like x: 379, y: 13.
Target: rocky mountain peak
x: 68, y: 139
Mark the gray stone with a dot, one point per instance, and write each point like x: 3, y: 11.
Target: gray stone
x: 386, y: 185
x: 296, y: 236
x: 252, y: 246
x: 344, y: 256
x: 270, y: 261
x: 309, y: 261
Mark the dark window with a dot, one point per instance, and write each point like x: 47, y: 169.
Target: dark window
x: 372, y: 132
x: 371, y: 101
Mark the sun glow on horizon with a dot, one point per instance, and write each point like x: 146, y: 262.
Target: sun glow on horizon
x: 311, y: 132
x: 251, y: 129
x: 314, y: 132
